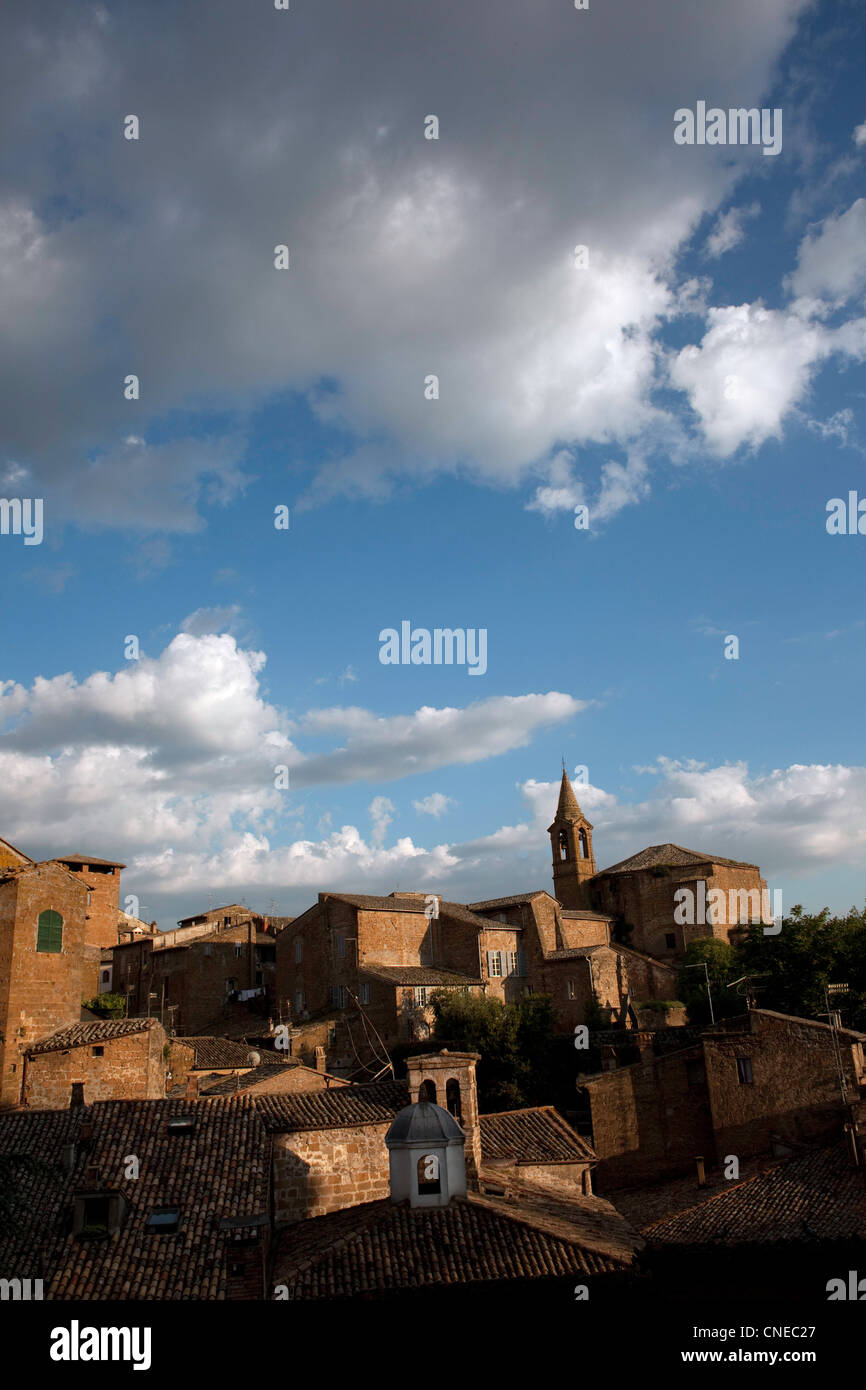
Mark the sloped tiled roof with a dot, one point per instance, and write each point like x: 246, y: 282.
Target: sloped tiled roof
x: 367, y: 1104
x: 214, y: 1054
x: 815, y: 1196
x: 578, y: 952
x: 371, y: 903
x: 216, y: 1173
x: 585, y: 914
x: 87, y: 1034
x: 674, y: 855
x: 381, y: 1247
x: 88, y: 859
x: 536, y: 1135
x: 515, y: 900
x: 418, y: 975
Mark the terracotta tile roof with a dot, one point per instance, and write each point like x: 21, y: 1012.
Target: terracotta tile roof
x: 515, y: 900
x: 367, y: 1104
x: 372, y: 903
x: 215, y: 1054
x: 381, y: 1247
x: 216, y: 1085
x: 88, y: 859
x: 214, y: 912
x: 536, y: 1135
x: 216, y: 1174
x: 417, y: 975
x: 674, y: 855
x: 85, y: 1034
x: 814, y: 1196
x: 578, y: 952
x: 597, y: 1224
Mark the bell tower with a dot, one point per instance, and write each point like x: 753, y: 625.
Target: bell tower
x: 571, y: 842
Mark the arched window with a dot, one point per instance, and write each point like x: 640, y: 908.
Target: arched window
x: 452, y: 1098
x: 428, y: 1091
x: 584, y: 844
x: 49, y: 931
x: 428, y: 1176
x: 563, y: 844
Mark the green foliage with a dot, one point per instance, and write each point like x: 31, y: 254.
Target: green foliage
x: 522, y: 1062
x: 106, y: 1005
x: 721, y: 962
x: 811, y: 951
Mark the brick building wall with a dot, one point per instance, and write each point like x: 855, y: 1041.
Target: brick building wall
x: 40, y: 991
x: 127, y: 1068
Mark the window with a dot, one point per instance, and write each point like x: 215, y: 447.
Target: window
x: 364, y: 994
x: 299, y: 1001
x: 208, y: 948
x: 695, y: 1072
x: 163, y: 1221
x: 583, y: 844
x: 239, y: 950
x: 341, y: 945
x: 299, y: 950
x: 571, y: 989
x: 339, y: 996
x: 94, y: 1215
x: 512, y: 962
x: 494, y: 964
x: 98, y: 1051
x: 452, y: 1098
x: 744, y: 1071
x: 49, y: 931
x: 671, y: 940
x: 428, y: 1176
x: 563, y: 845
x: 181, y: 1124
x: 427, y: 1091
x: 421, y: 997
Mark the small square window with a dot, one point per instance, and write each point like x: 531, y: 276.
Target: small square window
x: 98, y: 1051
x: 181, y: 1124
x: 163, y: 1221
x: 671, y: 941
x: 744, y: 1071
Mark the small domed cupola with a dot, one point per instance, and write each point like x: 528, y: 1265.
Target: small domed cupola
x: 427, y: 1162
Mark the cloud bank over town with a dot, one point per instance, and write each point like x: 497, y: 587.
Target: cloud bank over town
x: 168, y: 763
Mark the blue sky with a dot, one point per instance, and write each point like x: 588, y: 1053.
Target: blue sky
x: 699, y: 386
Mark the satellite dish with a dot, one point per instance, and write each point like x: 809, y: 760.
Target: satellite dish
x: 254, y: 1058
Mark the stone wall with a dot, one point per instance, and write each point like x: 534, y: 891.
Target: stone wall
x: 40, y: 991
x: 127, y: 1068
x: 324, y: 1170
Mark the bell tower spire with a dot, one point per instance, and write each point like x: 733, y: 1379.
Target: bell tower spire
x: 571, y: 842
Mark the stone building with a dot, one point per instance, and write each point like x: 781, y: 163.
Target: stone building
x: 750, y: 1084
x: 44, y: 968
x: 200, y: 978
x: 118, y: 1059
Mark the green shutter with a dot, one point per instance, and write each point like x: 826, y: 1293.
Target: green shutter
x: 49, y: 931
